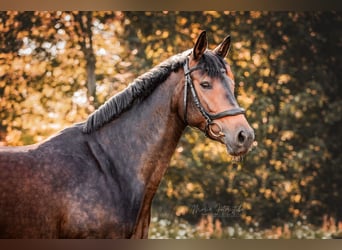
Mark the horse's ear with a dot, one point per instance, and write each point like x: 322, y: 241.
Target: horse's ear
x: 200, y: 46
x: 223, y: 48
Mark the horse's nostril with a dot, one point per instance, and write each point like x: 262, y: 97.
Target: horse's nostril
x: 242, y: 136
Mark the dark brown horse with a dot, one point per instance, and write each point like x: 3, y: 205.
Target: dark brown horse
x: 97, y: 179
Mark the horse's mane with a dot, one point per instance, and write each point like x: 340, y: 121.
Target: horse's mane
x: 144, y: 85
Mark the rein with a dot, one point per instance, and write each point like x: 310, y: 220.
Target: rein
x: 208, y: 116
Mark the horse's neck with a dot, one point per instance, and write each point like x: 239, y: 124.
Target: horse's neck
x: 138, y: 147
x: 142, y: 140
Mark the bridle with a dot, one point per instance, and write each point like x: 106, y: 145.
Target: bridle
x: 208, y: 116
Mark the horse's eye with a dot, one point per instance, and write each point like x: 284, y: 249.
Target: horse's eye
x: 206, y: 85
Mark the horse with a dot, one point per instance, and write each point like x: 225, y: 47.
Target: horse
x: 97, y: 178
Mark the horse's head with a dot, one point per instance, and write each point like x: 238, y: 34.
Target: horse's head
x: 209, y: 102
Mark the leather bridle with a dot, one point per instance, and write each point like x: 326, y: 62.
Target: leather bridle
x: 208, y: 116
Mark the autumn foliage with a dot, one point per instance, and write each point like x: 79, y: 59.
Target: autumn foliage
x: 57, y: 67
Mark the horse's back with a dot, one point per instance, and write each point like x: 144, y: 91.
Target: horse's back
x: 57, y: 189
x: 20, y: 187
x: 33, y: 184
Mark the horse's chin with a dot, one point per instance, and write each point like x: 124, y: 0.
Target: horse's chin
x: 237, y: 154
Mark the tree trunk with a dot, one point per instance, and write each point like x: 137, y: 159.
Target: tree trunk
x: 86, y: 35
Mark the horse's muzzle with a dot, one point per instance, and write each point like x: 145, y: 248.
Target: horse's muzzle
x: 240, y: 143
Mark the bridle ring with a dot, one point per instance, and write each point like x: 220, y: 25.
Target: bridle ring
x: 219, y: 134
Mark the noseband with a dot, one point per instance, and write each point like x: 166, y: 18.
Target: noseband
x: 208, y: 116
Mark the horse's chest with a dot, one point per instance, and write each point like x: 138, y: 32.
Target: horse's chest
x: 101, y: 219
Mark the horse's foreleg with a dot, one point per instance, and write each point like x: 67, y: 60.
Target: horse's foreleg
x: 142, y: 226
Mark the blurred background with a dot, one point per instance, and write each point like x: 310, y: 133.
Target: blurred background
x: 58, y: 67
